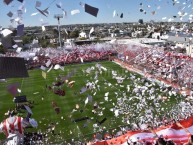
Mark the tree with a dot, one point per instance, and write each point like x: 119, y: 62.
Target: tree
x: 74, y: 34
x: 55, y: 32
x: 82, y: 38
x: 26, y: 39
x: 64, y: 34
x: 44, y: 43
x: 2, y: 50
x: 116, y: 31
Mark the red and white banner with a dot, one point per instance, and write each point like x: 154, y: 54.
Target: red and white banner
x: 171, y: 132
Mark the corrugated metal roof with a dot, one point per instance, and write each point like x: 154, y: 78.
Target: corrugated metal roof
x: 179, y: 34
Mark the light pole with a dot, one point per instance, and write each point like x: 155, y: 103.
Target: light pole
x: 58, y: 16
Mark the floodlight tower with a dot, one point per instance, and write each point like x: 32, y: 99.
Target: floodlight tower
x: 58, y: 16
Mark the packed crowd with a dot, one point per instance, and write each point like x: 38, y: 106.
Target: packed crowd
x: 87, y: 53
x: 171, y: 66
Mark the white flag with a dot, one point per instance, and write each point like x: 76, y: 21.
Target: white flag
x: 89, y: 98
x: 86, y: 101
x: 15, y: 46
x: 114, y: 13
x: 106, y: 94
x: 33, y: 14
x: 66, y: 31
x: 73, y: 12
x: 50, y: 69
x: 43, y: 28
x: 6, y: 32
x: 18, y: 49
x: 83, y: 90
x: 48, y: 63
x: 43, y: 68
x: 91, y: 30
x: 81, y: 59
x: 57, y: 66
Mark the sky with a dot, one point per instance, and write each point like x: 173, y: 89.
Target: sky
x: 129, y: 8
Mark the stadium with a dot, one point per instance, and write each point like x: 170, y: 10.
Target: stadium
x: 124, y: 90
x: 93, y: 99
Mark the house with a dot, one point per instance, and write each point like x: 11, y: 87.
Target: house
x: 82, y: 35
x: 18, y: 41
x: 136, y: 34
x: 156, y: 35
x: 182, y: 40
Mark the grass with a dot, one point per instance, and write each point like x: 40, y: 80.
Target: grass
x: 45, y: 114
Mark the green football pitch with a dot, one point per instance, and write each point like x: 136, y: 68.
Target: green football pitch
x: 34, y: 88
